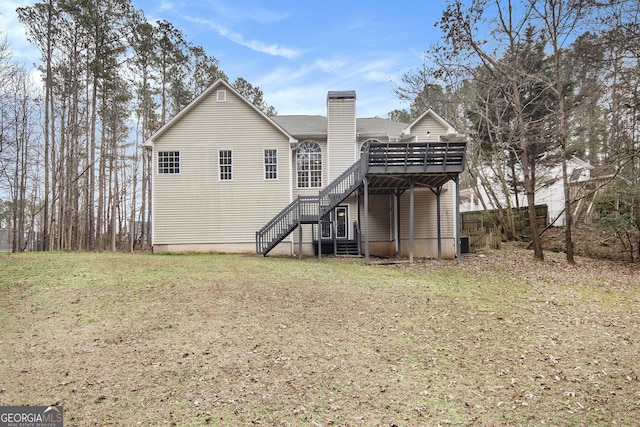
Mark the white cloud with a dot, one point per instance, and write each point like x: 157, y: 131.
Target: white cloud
x: 307, y: 99
x: 331, y: 66
x: 284, y: 76
x: 311, y: 99
x: 255, y: 45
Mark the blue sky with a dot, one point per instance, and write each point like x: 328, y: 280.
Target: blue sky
x: 295, y: 51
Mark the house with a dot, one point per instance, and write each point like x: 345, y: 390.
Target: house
x: 549, y: 190
x: 228, y: 178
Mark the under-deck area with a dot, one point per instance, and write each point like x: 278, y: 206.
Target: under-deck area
x: 392, y: 169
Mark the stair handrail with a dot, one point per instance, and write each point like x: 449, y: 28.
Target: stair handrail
x: 354, y: 175
x: 442, y: 154
x: 288, y: 218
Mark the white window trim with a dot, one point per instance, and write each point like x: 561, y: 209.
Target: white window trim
x: 169, y: 173
x: 264, y: 165
x: 220, y: 166
x: 309, y: 171
x: 368, y: 141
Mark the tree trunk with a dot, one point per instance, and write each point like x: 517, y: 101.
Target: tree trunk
x: 529, y: 177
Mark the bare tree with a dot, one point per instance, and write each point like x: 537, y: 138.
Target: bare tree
x: 561, y: 20
x: 469, y: 31
x: 110, y: 80
x: 18, y: 144
x: 40, y: 22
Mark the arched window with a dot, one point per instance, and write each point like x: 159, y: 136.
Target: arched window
x: 309, y: 163
x: 365, y: 145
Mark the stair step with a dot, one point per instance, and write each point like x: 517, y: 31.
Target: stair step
x: 347, y: 249
x: 340, y: 188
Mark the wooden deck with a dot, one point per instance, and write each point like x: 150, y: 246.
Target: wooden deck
x: 384, y: 168
x: 430, y: 164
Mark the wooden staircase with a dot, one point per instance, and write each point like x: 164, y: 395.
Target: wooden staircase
x: 347, y: 248
x: 310, y: 209
x: 440, y: 160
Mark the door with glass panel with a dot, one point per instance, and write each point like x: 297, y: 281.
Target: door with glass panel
x: 341, y: 218
x: 342, y: 222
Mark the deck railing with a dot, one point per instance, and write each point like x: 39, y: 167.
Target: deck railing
x: 309, y: 209
x: 340, y: 188
x: 302, y: 209
x: 415, y: 157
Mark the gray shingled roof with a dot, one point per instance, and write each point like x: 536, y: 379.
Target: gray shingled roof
x: 306, y: 126
x: 303, y: 125
x: 375, y: 126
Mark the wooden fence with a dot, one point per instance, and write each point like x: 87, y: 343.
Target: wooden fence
x: 485, y: 232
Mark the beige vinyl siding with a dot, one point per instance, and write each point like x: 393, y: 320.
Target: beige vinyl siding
x: 427, y: 129
x: 195, y: 206
x: 425, y: 213
x: 341, y: 136
x: 380, y: 218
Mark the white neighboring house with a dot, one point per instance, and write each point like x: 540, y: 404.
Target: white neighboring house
x: 549, y: 190
x: 5, y: 244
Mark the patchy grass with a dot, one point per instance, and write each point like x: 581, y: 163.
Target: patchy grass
x: 239, y: 340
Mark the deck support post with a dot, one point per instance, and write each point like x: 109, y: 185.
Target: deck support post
x: 456, y: 207
x: 439, y: 219
x: 319, y: 234
x: 398, y: 223
x: 365, y: 180
x: 334, y: 231
x: 299, y: 239
x: 437, y: 192
x: 358, y: 236
x: 411, y: 217
x: 299, y: 231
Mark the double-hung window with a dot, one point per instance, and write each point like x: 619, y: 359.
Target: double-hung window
x: 270, y: 164
x: 226, y: 165
x: 168, y: 162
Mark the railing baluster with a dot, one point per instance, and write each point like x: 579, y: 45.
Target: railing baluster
x: 438, y: 156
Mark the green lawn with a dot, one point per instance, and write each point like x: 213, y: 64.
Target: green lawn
x: 497, y: 339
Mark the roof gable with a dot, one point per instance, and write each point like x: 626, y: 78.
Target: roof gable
x: 211, y: 91
x: 437, y: 117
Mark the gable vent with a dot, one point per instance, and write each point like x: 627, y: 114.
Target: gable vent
x: 222, y: 95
